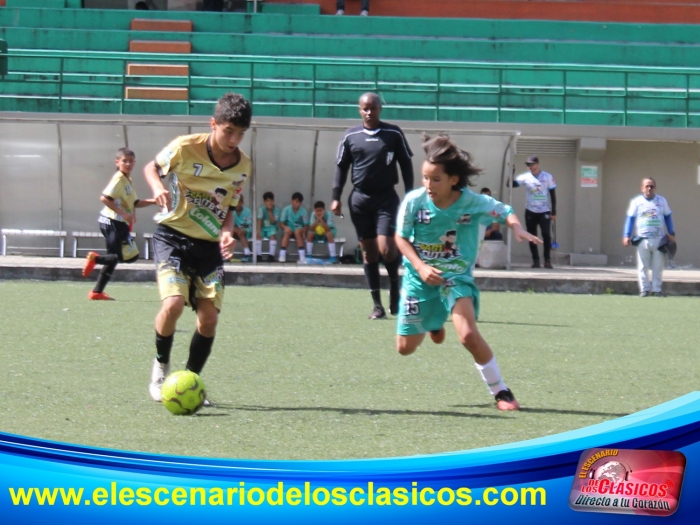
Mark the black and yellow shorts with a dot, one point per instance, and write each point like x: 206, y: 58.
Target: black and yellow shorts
x: 192, y: 268
x: 118, y: 238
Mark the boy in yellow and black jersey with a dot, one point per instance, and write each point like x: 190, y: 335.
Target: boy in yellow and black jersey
x: 116, y: 220
x: 207, y: 173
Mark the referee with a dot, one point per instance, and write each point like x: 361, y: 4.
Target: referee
x: 373, y: 149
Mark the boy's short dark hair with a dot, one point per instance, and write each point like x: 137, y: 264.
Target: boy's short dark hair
x: 125, y: 152
x: 297, y: 196
x: 320, y: 204
x: 268, y: 195
x: 234, y: 109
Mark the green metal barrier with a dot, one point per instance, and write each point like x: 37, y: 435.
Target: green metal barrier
x: 61, y: 81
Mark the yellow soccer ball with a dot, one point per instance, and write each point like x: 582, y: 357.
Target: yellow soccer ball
x: 320, y: 230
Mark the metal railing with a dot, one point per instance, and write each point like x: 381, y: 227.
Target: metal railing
x: 439, y: 90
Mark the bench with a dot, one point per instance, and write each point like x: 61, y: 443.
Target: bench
x: 317, y: 252
x: 10, y: 232
x: 88, y: 235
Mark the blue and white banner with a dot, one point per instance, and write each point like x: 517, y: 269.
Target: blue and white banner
x: 526, y: 482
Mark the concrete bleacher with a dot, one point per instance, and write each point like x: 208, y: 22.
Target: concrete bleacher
x: 79, y: 60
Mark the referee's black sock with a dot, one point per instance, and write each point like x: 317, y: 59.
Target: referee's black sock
x: 110, y: 262
x: 392, y: 268
x: 163, y: 346
x: 200, y: 348
x: 372, y: 275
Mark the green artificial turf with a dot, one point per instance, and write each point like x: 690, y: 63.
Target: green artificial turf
x: 300, y: 373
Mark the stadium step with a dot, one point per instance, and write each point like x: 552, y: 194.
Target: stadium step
x: 156, y: 93
x: 162, y: 70
x: 171, y: 26
x: 160, y: 46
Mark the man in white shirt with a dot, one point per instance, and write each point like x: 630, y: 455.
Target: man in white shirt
x: 540, y: 188
x: 651, y: 215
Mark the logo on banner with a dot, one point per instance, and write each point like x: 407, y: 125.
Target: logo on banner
x: 619, y: 481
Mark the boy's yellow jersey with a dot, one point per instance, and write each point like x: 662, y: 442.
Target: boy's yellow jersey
x: 201, y: 191
x: 121, y: 190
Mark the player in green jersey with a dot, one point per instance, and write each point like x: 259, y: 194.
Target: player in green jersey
x: 438, y: 234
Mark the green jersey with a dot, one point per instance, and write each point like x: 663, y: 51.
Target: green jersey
x: 445, y: 239
x: 243, y: 220
x: 295, y: 219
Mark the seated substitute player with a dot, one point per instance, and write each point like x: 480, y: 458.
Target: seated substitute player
x: 268, y: 223
x: 116, y: 220
x: 195, y: 234
x: 438, y: 234
x: 294, y: 221
x: 322, y: 228
x: 243, y: 227
x: 493, y: 231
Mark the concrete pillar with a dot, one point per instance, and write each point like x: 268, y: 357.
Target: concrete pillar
x: 588, y: 203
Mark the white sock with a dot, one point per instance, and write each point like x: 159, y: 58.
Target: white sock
x: 310, y: 247
x: 273, y: 247
x: 283, y: 253
x: 302, y: 255
x: 491, y: 375
x: 331, y: 249
x: 258, y: 247
x: 246, y: 251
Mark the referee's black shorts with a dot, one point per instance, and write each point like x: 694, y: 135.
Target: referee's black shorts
x: 374, y: 215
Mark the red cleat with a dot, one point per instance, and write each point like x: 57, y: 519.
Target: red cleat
x: 99, y: 296
x: 505, y: 400
x: 438, y: 336
x: 90, y: 263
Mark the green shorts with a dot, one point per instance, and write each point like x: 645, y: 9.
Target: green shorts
x: 268, y: 231
x: 426, y: 309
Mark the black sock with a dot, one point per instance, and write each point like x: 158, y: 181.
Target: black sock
x: 163, y: 346
x: 372, y: 276
x: 200, y: 348
x: 392, y: 268
x: 110, y: 262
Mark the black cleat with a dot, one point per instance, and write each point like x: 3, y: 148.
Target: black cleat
x: 378, y: 313
x: 535, y: 264
x: 505, y: 400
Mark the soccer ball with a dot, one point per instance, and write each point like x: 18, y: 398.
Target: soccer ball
x: 320, y: 230
x: 183, y: 393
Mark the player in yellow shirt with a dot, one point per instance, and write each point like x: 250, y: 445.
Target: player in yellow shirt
x: 116, y: 220
x: 207, y: 173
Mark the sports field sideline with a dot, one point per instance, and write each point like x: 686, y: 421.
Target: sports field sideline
x: 300, y: 373
x: 562, y: 279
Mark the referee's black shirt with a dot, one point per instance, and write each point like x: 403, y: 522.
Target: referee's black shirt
x: 373, y: 155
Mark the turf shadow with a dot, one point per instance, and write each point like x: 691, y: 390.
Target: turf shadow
x: 360, y: 411
x: 551, y: 411
x: 526, y: 324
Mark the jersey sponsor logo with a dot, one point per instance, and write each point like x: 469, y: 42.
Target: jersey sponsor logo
x: 210, y: 201
x: 207, y: 221
x: 368, y: 139
x: 389, y: 157
x: 453, y: 266
x: 465, y: 219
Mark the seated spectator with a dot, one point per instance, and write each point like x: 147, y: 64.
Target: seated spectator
x: 322, y: 228
x: 493, y: 231
x: 243, y: 228
x: 340, y: 6
x: 294, y: 221
x: 268, y: 223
